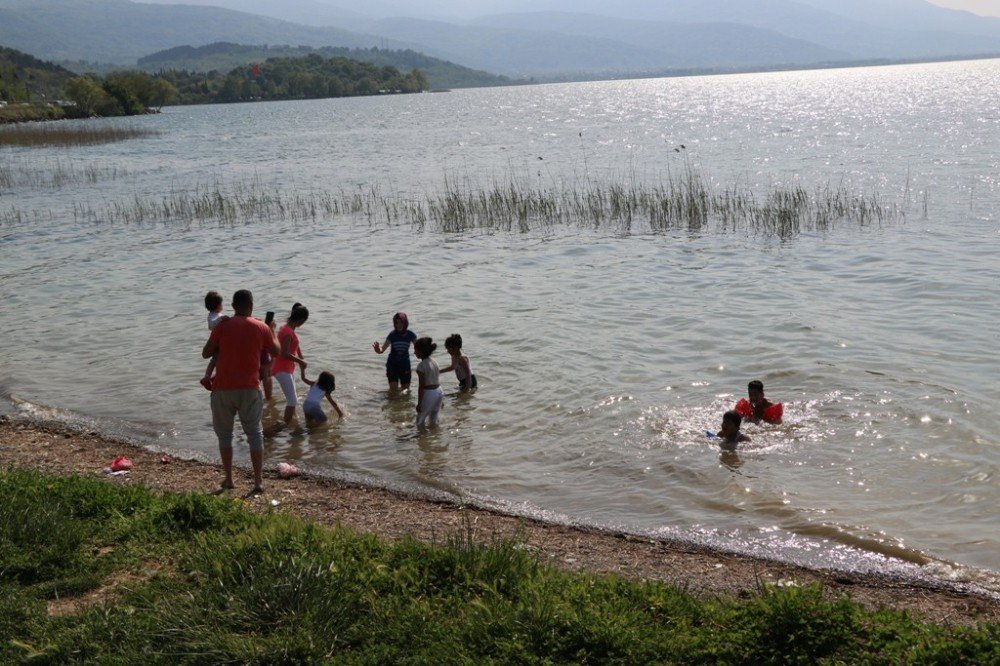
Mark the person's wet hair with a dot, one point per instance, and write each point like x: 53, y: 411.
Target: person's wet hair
x: 732, y: 417
x: 327, y: 381
x: 756, y: 385
x: 453, y: 341
x: 425, y: 346
x: 213, y: 300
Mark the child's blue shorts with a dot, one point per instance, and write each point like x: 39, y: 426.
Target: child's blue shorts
x: 397, y: 372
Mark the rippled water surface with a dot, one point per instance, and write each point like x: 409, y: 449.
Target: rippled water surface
x: 603, y: 356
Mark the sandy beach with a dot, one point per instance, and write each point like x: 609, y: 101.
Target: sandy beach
x: 56, y: 450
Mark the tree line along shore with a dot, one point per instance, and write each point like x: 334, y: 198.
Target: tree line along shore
x: 150, y: 568
x: 31, y: 89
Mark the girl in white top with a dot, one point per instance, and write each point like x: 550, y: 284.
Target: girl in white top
x: 323, y: 387
x: 429, y: 394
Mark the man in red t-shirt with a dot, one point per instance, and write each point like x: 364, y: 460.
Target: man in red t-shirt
x: 236, y: 387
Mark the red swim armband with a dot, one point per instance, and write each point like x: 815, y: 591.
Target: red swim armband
x: 773, y: 413
x: 744, y: 408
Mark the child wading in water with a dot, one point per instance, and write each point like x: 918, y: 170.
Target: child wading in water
x: 397, y: 366
x: 429, y: 395
x: 322, y: 387
x: 213, y: 303
x: 459, y: 363
x: 730, y: 433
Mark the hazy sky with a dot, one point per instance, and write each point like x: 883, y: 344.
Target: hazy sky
x: 984, y: 7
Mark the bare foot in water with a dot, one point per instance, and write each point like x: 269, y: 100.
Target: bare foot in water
x: 274, y: 429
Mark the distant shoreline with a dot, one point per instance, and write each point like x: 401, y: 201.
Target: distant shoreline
x: 58, y: 450
x: 680, y: 73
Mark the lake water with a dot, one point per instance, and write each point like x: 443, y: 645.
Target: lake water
x: 602, y: 356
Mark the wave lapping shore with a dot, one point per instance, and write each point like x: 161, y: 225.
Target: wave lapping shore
x: 56, y: 449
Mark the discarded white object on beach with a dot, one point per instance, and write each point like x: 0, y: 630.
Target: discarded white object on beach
x: 287, y: 471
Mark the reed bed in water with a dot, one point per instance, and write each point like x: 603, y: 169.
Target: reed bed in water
x: 44, y: 135
x: 685, y: 203
x: 57, y: 174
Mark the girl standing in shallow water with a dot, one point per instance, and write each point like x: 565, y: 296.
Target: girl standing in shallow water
x: 283, y: 366
x: 397, y: 366
x: 429, y: 394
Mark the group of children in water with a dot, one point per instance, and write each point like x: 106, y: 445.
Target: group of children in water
x: 398, y: 370
x: 754, y: 408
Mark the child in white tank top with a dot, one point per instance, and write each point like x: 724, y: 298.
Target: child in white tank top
x: 429, y: 394
x: 323, y: 387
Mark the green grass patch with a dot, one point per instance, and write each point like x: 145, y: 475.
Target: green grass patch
x: 24, y: 112
x: 196, y: 579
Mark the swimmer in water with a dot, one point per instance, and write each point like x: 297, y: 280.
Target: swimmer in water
x: 759, y: 408
x: 730, y: 433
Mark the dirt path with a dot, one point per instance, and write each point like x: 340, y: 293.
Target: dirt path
x: 55, y: 450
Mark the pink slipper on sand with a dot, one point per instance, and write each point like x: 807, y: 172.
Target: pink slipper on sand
x: 120, y: 464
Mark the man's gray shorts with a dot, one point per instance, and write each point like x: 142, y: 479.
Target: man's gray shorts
x: 249, y: 404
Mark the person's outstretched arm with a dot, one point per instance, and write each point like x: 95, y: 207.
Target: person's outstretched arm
x: 336, y: 407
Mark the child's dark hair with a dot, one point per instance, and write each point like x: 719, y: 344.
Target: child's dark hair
x: 425, y: 346
x: 756, y: 385
x: 327, y: 382
x: 401, y: 317
x: 453, y: 341
x: 213, y: 300
x: 299, y: 314
x: 732, y: 417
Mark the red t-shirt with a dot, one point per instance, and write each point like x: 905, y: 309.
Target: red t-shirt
x: 237, y: 365
x: 282, y: 364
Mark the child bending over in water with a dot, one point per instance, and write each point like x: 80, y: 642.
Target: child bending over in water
x: 730, y: 433
x: 459, y: 363
x: 429, y: 395
x: 213, y: 303
x: 322, y: 387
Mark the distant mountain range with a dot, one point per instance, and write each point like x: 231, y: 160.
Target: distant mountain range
x: 120, y: 31
x: 517, y: 38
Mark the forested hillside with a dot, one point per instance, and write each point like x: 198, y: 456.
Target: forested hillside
x: 309, y: 77
x: 24, y: 78
x: 225, y: 56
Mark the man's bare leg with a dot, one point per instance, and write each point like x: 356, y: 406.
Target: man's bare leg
x: 227, y: 467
